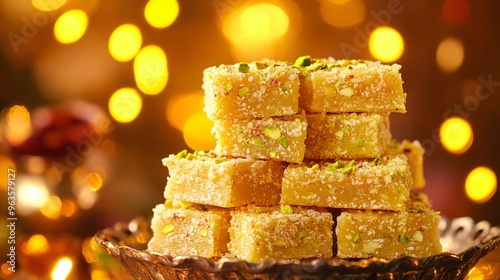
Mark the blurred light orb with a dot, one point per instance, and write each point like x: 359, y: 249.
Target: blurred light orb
x: 47, y: 5
x: 481, y: 184
x: 5, y: 164
x: 386, y: 44
x: 125, y: 42
x: 260, y: 22
x: 342, y: 13
x: 32, y: 194
x: 181, y: 108
x: 253, y: 30
x: 161, y: 13
x: 450, y: 54
x: 68, y: 208
x: 18, y: 117
x: 125, y: 105
x: 456, y: 135
x: 151, y: 70
x: 93, y: 181
x: 62, y: 269
x: 70, y: 26
x: 36, y: 244
x: 52, y: 209
x: 197, y: 132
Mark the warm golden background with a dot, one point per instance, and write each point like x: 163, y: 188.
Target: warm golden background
x: 94, y: 93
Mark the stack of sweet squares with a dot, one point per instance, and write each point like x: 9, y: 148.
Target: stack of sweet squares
x: 304, y: 167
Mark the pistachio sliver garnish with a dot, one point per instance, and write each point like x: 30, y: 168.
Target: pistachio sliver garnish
x: 272, y: 132
x: 283, y: 141
x: 348, y: 92
x: 182, y: 154
x: 243, y: 91
x: 257, y: 142
x: 286, y: 209
x: 403, y: 239
x: 243, y: 67
x: 303, y: 61
x: 228, y: 87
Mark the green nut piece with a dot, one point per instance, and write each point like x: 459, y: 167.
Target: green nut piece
x: 357, y: 238
x: 220, y: 160
x: 257, y: 142
x: 243, y: 67
x: 359, y: 142
x: 229, y: 87
x: 403, y: 239
x: 182, y: 154
x: 303, y: 233
x: 283, y: 141
x: 272, y: 132
x: 303, y: 61
x: 243, y: 91
x: 286, y: 209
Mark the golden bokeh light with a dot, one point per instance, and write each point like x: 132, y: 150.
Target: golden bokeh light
x: 32, y: 194
x: 5, y: 164
x: 52, y: 209
x: 180, y: 108
x: 481, y: 184
x: 19, y: 126
x: 68, y: 208
x: 456, y: 135
x: 150, y: 70
x: 47, y: 5
x: 253, y: 30
x: 450, y: 54
x: 36, y: 244
x: 62, y: 269
x: 161, y: 13
x: 342, y: 13
x: 125, y: 105
x: 93, y: 181
x: 386, y: 44
x: 125, y: 42
x: 197, y: 132
x: 71, y: 26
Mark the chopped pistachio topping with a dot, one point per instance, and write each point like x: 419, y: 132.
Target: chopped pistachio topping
x: 272, y: 154
x: 257, y: 142
x: 220, y: 160
x: 286, y: 88
x: 354, y: 116
x: 258, y: 210
x: 357, y: 238
x: 346, y: 170
x: 333, y: 166
x: 371, y: 247
x: 272, y: 132
x: 315, y: 167
x: 182, y: 154
x: 260, y: 65
x: 243, y: 67
x: 243, y: 91
x: 303, y: 233
x: 190, y: 156
x: 168, y: 229
x: 229, y: 87
x: 339, y: 133
x: 203, y: 232
x: 348, y: 92
x: 185, y: 204
x: 330, y: 186
x: 297, y: 120
x: 403, y: 239
x: 286, y: 209
x: 283, y: 141
x: 359, y: 142
x: 375, y: 161
x: 303, y: 61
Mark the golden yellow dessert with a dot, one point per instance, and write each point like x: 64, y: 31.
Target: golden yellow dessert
x: 329, y: 85
x: 347, y: 135
x: 251, y: 90
x: 387, y: 234
x: 359, y: 184
x: 415, y: 154
x: 280, y: 232
x: 182, y: 229
x: 205, y: 178
x: 281, y: 139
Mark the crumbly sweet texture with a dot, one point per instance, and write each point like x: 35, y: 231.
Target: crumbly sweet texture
x: 256, y: 90
x: 347, y: 135
x: 225, y: 182
x: 386, y: 234
x: 358, y: 184
x: 191, y: 231
x: 280, y: 139
x: 329, y: 85
x: 264, y: 233
x: 415, y: 154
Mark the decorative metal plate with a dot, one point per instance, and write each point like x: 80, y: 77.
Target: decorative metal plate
x: 464, y: 243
